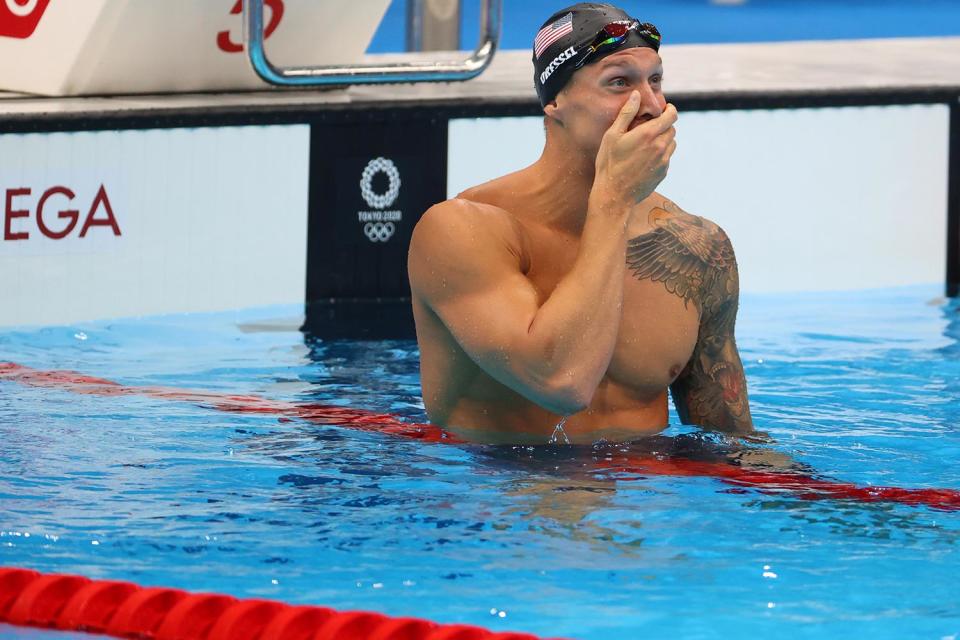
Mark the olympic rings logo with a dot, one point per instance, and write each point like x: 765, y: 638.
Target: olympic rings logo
x: 379, y: 200
x: 379, y: 231
x: 22, y: 10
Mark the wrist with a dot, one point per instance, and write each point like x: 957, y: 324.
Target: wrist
x: 607, y: 201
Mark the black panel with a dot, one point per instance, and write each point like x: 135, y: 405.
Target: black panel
x: 369, y: 184
x: 360, y: 319
x: 402, y: 111
x: 953, y: 203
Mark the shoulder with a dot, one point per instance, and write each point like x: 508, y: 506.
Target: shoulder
x: 463, y: 239
x: 702, y: 236
x: 720, y: 292
x: 456, y: 222
x: 708, y: 227
x: 692, y: 249
x: 460, y: 213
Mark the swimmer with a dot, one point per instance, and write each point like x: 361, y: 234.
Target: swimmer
x: 571, y: 291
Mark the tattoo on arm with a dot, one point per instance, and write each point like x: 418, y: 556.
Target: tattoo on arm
x: 712, y: 389
x: 694, y: 260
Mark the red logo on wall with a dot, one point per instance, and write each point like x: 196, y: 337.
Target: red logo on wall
x: 276, y: 15
x: 54, y: 225
x: 19, y: 18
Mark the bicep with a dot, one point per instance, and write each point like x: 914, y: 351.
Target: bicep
x: 711, y: 391
x: 466, y: 269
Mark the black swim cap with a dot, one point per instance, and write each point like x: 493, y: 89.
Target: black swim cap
x: 564, y: 40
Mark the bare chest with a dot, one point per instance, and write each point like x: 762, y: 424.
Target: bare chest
x: 657, y: 332
x: 657, y: 335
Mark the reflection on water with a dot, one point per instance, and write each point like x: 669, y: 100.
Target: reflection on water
x: 862, y: 388
x: 951, y: 313
x: 559, y: 436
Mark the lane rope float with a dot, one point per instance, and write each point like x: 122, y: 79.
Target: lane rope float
x: 126, y: 610
x: 796, y: 484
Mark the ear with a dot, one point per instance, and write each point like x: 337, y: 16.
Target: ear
x: 554, y: 111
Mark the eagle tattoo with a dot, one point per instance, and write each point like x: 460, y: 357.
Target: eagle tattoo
x: 689, y: 255
x: 694, y: 260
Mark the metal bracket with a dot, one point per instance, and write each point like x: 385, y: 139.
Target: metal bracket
x: 490, y: 23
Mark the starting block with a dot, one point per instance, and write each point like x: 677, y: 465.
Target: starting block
x: 89, y: 47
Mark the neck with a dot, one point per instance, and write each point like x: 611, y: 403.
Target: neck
x: 561, y: 181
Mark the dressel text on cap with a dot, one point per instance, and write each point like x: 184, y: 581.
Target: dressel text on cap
x: 556, y: 62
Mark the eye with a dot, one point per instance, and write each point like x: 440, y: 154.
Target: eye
x: 619, y: 81
x: 656, y: 79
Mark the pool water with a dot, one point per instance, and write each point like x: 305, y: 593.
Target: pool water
x: 862, y: 387
x: 714, y: 21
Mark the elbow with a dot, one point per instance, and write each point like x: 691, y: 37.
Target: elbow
x: 567, y: 397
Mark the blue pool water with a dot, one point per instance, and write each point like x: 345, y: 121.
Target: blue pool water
x: 714, y: 21
x: 862, y: 387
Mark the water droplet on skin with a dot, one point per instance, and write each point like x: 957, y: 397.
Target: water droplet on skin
x: 559, y: 436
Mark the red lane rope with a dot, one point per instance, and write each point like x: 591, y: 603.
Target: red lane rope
x: 317, y: 413
x: 796, y: 484
x: 125, y: 610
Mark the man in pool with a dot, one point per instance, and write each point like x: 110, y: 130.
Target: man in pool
x: 570, y: 290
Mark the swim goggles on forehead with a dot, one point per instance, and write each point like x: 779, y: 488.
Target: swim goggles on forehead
x: 614, y: 34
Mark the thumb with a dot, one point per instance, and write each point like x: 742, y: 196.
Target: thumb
x: 627, y: 112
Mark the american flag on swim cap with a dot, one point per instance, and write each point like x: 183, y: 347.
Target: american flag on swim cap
x: 551, y: 33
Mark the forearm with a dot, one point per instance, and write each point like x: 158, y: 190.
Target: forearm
x: 572, y: 336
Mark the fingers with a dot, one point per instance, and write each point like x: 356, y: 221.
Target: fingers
x: 656, y: 126
x: 627, y: 112
x: 661, y: 168
x: 669, y: 151
x: 667, y: 119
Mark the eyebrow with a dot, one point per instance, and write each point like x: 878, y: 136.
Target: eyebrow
x: 658, y: 70
x: 606, y: 63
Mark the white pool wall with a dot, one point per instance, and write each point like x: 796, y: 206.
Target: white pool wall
x: 814, y: 199
x: 210, y: 219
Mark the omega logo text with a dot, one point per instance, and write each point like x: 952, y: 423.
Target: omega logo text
x: 52, y: 215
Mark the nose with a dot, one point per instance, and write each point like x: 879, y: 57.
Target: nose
x: 652, y: 103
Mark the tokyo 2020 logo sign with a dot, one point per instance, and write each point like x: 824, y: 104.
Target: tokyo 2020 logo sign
x: 379, y: 225
x: 19, y: 18
x: 380, y: 200
x: 379, y: 231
